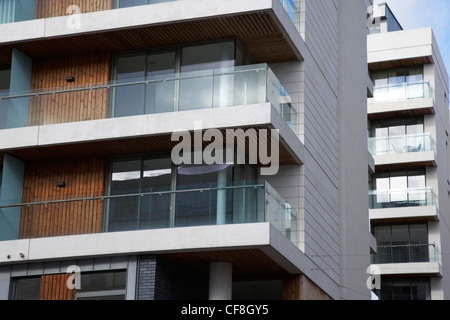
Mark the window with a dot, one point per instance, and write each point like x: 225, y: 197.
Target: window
x: 109, y: 285
x: 402, y: 243
x: 5, y: 75
x: 399, y: 84
x: 407, y: 289
x: 400, y: 189
x: 134, y: 3
x: 27, y: 288
x: 400, y: 136
x: 162, y: 195
x: 150, y: 82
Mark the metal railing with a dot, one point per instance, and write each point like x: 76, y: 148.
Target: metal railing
x: 213, y: 88
x: 189, y: 206
x: 412, y: 197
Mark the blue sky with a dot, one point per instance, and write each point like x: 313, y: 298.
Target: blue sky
x: 430, y: 13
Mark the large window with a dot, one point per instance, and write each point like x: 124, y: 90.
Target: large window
x: 153, y: 193
x: 5, y: 76
x: 402, y: 243
x: 406, y: 289
x: 151, y: 81
x: 399, y: 84
x: 26, y: 288
x: 401, y: 189
x: 109, y: 285
x: 399, y: 136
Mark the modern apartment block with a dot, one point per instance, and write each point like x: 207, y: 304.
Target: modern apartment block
x: 96, y: 96
x: 408, y: 119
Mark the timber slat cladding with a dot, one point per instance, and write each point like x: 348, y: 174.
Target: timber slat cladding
x: 54, y: 287
x: 83, y: 177
x: 50, y: 75
x: 56, y: 8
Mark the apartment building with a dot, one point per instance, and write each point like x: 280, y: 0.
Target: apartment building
x: 408, y: 127
x: 97, y: 95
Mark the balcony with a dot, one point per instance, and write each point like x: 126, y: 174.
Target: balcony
x: 408, y: 260
x: 207, y: 89
x: 406, y: 99
x: 264, y: 27
x: 22, y: 10
x: 412, y: 253
x: 403, y: 152
x: 403, y: 205
x: 189, y: 207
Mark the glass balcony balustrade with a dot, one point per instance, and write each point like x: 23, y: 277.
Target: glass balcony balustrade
x: 401, y: 144
x: 412, y: 197
x: 400, y: 92
x: 22, y: 10
x: 190, y: 206
x: 205, y: 89
x: 408, y: 253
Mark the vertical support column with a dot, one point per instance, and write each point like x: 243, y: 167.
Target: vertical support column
x: 221, y: 216
x: 19, y: 108
x: 220, y: 281
x: 11, y: 193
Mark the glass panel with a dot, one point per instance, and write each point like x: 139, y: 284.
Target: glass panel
x: 401, y: 291
x: 196, y: 90
x: 396, y: 85
x: 123, y: 212
x: 197, y: 93
x: 382, y: 145
x: 131, y: 3
x: 207, y: 207
x: 5, y: 77
x: 160, y: 95
x: 102, y: 281
x: 382, y: 188
x: 417, y: 192
x: 28, y: 288
x: 129, y: 99
x: 398, y: 143
x: 399, y: 187
x: 415, y: 138
x: 418, y: 235
x: 384, y: 242
x: 155, y: 209
x: 420, y: 290
x: 400, y: 242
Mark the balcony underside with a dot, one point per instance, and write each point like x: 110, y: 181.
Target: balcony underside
x: 404, y: 161
x: 403, y: 215
x: 400, y: 109
x: 419, y: 269
x: 400, y: 63
x: 261, y: 31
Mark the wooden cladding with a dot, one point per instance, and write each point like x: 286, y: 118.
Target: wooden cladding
x: 54, y: 287
x: 299, y: 287
x: 56, y: 8
x: 83, y: 177
x: 50, y: 74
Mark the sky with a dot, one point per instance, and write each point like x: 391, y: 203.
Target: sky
x: 430, y: 13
